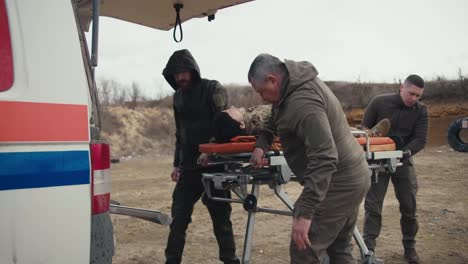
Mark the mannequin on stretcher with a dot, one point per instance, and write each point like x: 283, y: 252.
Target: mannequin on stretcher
x: 236, y: 128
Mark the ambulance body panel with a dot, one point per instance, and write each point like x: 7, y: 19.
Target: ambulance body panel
x: 54, y: 172
x: 45, y: 195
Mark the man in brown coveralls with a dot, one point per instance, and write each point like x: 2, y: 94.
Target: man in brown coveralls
x: 320, y: 151
x: 409, y: 131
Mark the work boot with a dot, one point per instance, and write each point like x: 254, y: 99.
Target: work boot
x: 411, y: 256
x: 381, y: 129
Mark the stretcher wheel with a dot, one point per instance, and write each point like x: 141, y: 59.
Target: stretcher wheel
x: 250, y: 203
x: 453, y: 135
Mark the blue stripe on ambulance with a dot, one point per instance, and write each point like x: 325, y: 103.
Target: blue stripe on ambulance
x: 21, y: 170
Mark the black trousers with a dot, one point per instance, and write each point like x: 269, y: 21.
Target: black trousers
x: 406, y: 186
x: 187, y: 192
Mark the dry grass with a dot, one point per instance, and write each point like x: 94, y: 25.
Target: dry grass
x: 138, y: 131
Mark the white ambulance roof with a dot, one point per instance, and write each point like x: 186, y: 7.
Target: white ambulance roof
x: 159, y: 14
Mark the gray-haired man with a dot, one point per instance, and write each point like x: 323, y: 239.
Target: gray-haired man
x: 320, y: 151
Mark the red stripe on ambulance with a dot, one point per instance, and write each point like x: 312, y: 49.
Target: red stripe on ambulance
x: 29, y: 122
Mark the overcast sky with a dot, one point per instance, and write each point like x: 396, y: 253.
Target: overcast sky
x: 366, y: 40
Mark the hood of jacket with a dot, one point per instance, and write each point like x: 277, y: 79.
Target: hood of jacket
x: 181, y: 60
x: 299, y: 72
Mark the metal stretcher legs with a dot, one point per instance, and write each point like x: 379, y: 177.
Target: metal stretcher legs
x: 367, y: 256
x: 250, y: 229
x: 283, y: 197
x: 249, y: 202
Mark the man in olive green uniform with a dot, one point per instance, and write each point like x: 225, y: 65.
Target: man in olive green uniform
x: 409, y: 131
x: 320, y: 151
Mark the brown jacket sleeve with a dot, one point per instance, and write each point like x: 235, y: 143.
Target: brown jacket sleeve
x: 370, y: 115
x: 419, y: 136
x: 313, y: 128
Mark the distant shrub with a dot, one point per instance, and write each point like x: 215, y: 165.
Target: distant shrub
x: 109, y: 122
x: 358, y: 95
x: 160, y: 126
x: 243, y: 96
x: 445, y: 89
x: 164, y: 102
x: 350, y: 94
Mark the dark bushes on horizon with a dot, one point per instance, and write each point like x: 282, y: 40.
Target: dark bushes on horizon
x: 351, y: 95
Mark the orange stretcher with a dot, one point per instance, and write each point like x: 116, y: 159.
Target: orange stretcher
x: 241, y: 144
x: 380, y: 152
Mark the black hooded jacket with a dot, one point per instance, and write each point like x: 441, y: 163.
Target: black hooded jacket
x: 194, y: 108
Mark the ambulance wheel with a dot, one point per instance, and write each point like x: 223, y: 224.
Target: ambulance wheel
x: 453, y: 135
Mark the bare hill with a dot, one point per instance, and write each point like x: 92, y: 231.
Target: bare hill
x: 138, y: 131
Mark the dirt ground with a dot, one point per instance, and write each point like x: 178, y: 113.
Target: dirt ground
x: 442, y: 209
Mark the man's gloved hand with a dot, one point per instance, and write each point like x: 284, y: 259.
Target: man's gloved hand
x: 203, y: 159
x: 175, y: 174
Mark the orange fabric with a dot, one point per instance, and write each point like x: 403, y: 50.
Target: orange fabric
x: 377, y: 143
x: 249, y: 139
x: 242, y: 144
x: 375, y: 140
x: 227, y: 148
x: 382, y: 147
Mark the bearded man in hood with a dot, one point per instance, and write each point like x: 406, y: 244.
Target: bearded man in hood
x: 196, y: 101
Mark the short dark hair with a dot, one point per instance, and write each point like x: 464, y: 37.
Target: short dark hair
x: 225, y: 127
x: 416, y: 80
x: 263, y: 65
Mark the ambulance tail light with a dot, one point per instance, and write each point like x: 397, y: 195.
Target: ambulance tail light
x: 100, y: 178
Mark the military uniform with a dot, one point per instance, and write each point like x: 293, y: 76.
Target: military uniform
x: 194, y: 109
x: 409, y: 131
x: 326, y: 159
x: 255, y: 118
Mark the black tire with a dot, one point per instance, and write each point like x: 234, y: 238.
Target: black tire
x: 453, y: 135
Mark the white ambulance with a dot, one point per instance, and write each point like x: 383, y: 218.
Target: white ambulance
x: 54, y: 171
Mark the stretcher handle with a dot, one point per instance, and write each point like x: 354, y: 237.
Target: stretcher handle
x: 368, y: 154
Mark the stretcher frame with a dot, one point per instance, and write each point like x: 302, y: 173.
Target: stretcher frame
x: 238, y: 175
